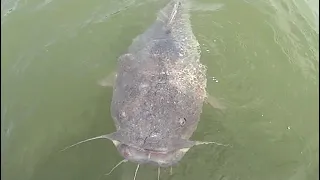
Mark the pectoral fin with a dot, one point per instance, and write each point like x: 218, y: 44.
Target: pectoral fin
x: 182, y: 144
x: 109, y: 80
x: 214, y: 102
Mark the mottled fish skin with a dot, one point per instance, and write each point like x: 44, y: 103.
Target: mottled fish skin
x: 160, y: 84
x: 158, y: 92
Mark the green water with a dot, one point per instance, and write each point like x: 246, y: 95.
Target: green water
x: 263, y: 53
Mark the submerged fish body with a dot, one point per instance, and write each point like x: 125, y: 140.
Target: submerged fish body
x: 159, y: 90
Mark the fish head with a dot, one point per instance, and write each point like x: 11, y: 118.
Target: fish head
x: 161, y: 157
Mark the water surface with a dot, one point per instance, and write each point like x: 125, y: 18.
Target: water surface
x: 263, y: 65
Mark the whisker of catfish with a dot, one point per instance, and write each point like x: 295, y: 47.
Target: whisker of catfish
x: 159, y: 173
x: 210, y: 142
x: 136, y: 172
x: 98, y: 137
x: 116, y: 167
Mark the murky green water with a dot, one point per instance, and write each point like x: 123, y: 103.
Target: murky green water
x: 264, y: 54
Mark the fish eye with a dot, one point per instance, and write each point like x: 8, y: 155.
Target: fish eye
x: 182, y: 121
x: 124, y: 150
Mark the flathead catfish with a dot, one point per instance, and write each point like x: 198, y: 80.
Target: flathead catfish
x: 158, y: 91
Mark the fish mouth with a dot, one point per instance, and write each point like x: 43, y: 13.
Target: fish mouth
x: 158, y: 157
x: 154, y: 154
x: 151, y: 154
x: 152, y: 151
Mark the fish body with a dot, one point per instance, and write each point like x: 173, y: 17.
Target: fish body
x: 159, y: 90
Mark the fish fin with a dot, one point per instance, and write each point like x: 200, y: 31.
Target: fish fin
x: 170, y: 11
x: 109, y: 80
x: 214, y: 102
x: 117, y: 136
x: 179, y: 143
x: 174, y: 12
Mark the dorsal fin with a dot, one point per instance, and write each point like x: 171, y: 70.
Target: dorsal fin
x: 174, y: 11
x: 169, y: 12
